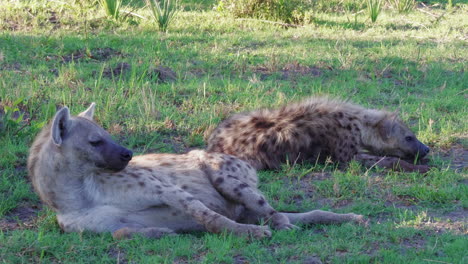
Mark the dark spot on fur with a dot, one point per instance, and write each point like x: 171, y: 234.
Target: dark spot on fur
x: 272, y: 212
x: 348, y: 127
x: 243, y: 185
x: 129, y: 186
x: 261, y: 202
x: 159, y: 192
x: 233, y: 177
x: 147, y: 169
x: 261, y: 123
x: 142, y: 184
x: 174, y: 213
x: 184, y: 187
x: 134, y: 175
x: 219, y: 180
x: 190, y: 198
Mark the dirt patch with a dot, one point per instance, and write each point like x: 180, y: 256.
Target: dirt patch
x: 98, y: 54
x: 120, y: 69
x: 457, y: 156
x: 290, y: 71
x: 162, y: 74
x: 118, y: 255
x: 312, y: 260
x: 15, y: 66
x: 22, y: 217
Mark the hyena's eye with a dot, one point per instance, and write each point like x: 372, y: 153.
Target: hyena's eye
x: 95, y: 143
x: 409, y: 138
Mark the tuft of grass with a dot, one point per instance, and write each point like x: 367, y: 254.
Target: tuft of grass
x: 373, y: 9
x: 111, y: 7
x: 403, y: 6
x: 163, y: 12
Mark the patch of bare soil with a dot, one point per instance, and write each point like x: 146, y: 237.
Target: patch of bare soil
x: 457, y: 156
x: 312, y: 260
x: 98, y: 54
x: 15, y: 66
x: 162, y: 74
x: 120, y: 69
x: 118, y: 255
x: 22, y: 217
x: 290, y: 71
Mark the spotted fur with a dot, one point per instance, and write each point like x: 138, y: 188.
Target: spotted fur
x: 311, y: 131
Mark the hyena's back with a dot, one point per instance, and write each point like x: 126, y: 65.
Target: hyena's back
x: 265, y: 138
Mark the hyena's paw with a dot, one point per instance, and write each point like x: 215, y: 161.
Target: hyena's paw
x: 359, y: 219
x: 281, y: 222
x: 254, y: 231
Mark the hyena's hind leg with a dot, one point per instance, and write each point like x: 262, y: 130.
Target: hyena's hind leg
x: 323, y: 217
x: 232, y: 182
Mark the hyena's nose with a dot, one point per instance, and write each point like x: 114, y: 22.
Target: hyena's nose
x: 126, y: 155
x: 426, y: 150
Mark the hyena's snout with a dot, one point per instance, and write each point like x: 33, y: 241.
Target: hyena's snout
x: 117, y: 157
x: 126, y: 155
x: 423, y: 150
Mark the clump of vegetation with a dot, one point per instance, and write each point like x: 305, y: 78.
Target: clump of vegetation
x: 373, y: 9
x: 163, y: 12
x: 403, y: 6
x: 111, y: 7
x: 292, y: 11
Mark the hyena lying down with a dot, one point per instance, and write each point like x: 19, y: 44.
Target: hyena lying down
x: 94, y: 184
x: 313, y: 129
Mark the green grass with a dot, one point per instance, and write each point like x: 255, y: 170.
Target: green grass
x: 412, y: 63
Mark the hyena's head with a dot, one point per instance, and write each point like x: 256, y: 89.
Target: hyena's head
x: 387, y: 135
x: 87, y: 145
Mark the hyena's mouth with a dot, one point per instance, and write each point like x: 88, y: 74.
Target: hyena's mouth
x: 112, y: 167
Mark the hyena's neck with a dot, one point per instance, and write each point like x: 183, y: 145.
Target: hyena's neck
x: 58, y: 182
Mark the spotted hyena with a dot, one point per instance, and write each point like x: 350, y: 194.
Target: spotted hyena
x: 313, y: 130
x: 94, y: 184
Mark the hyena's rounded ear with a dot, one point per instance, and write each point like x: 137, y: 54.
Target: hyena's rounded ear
x: 387, y: 127
x: 88, y: 113
x: 60, y: 125
x: 372, y: 117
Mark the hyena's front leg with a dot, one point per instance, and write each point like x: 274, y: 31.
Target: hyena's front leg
x: 239, y: 191
x: 390, y: 163
x: 213, y: 222
x: 323, y: 217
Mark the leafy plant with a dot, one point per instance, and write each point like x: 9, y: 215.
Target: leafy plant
x: 403, y: 6
x: 292, y: 11
x: 373, y: 8
x: 112, y: 7
x: 163, y: 12
x: 12, y: 117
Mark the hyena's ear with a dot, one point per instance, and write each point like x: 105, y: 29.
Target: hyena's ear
x: 60, y: 125
x: 373, y: 117
x: 386, y: 127
x: 88, y: 113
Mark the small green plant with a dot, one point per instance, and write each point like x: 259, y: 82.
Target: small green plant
x: 163, y: 12
x: 373, y: 9
x: 403, y: 6
x: 112, y: 8
x: 12, y: 117
x: 292, y: 11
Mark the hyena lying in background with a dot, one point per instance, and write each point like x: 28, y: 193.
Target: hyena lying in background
x: 94, y: 184
x: 315, y: 129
